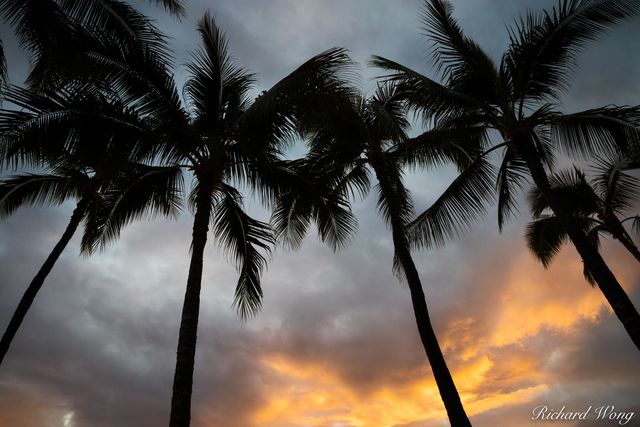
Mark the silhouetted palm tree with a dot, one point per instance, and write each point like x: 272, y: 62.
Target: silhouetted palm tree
x: 597, y: 207
x: 57, y: 33
x: 231, y: 140
x: 517, y: 98
x: 72, y: 139
x: 347, y: 142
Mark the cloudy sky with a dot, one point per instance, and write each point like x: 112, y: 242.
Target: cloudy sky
x: 336, y: 343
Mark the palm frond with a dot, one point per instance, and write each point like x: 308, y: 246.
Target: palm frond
x: 618, y: 190
x: 544, y: 46
x: 176, y: 7
x: 462, y: 203
x: 317, y: 195
x: 545, y: 237
x: 244, y: 238
x: 36, y: 189
x: 394, y: 199
x: 386, y: 114
x: 463, y: 64
x: 570, y: 190
x: 216, y: 87
x: 607, y: 130
x: 137, y: 192
x: 276, y: 115
x: 431, y: 99
x: 40, y: 25
x: 512, y: 175
x: 441, y: 146
x: 113, y: 17
x: 291, y: 218
x: 43, y: 125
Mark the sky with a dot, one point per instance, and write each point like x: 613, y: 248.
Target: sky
x: 335, y: 344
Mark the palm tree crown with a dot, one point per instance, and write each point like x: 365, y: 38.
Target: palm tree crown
x: 517, y: 99
x: 348, y: 141
x: 598, y: 206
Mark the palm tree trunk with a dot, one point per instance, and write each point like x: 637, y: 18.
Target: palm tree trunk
x: 444, y: 380
x: 185, y: 360
x: 38, y: 280
x: 607, y: 282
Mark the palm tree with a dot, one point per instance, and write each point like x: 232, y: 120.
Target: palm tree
x: 597, y: 207
x: 230, y: 140
x: 84, y: 157
x: 517, y: 99
x: 347, y: 143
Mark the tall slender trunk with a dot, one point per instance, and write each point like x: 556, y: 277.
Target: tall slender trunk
x: 444, y: 380
x: 38, y: 280
x: 185, y: 360
x: 607, y: 282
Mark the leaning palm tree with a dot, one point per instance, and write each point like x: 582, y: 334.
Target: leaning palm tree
x: 598, y: 207
x: 72, y: 140
x: 347, y: 143
x: 518, y: 99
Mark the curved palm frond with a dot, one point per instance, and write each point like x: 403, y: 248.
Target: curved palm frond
x: 513, y: 172
x: 318, y: 195
x: 244, y: 238
x: 113, y: 17
x: 216, y: 87
x: 43, y: 126
x: 542, y: 54
x: 462, y: 203
x: 137, y: 192
x: 600, y: 131
x: 40, y: 25
x: 617, y: 189
x: 572, y: 190
x: 431, y: 99
x: 466, y: 67
x: 441, y: 146
x: 36, y: 189
x: 394, y: 200
x: 176, y: 7
x: 545, y: 237
x: 276, y: 116
x: 386, y: 115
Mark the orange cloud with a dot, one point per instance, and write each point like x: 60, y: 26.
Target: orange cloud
x: 487, y: 354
